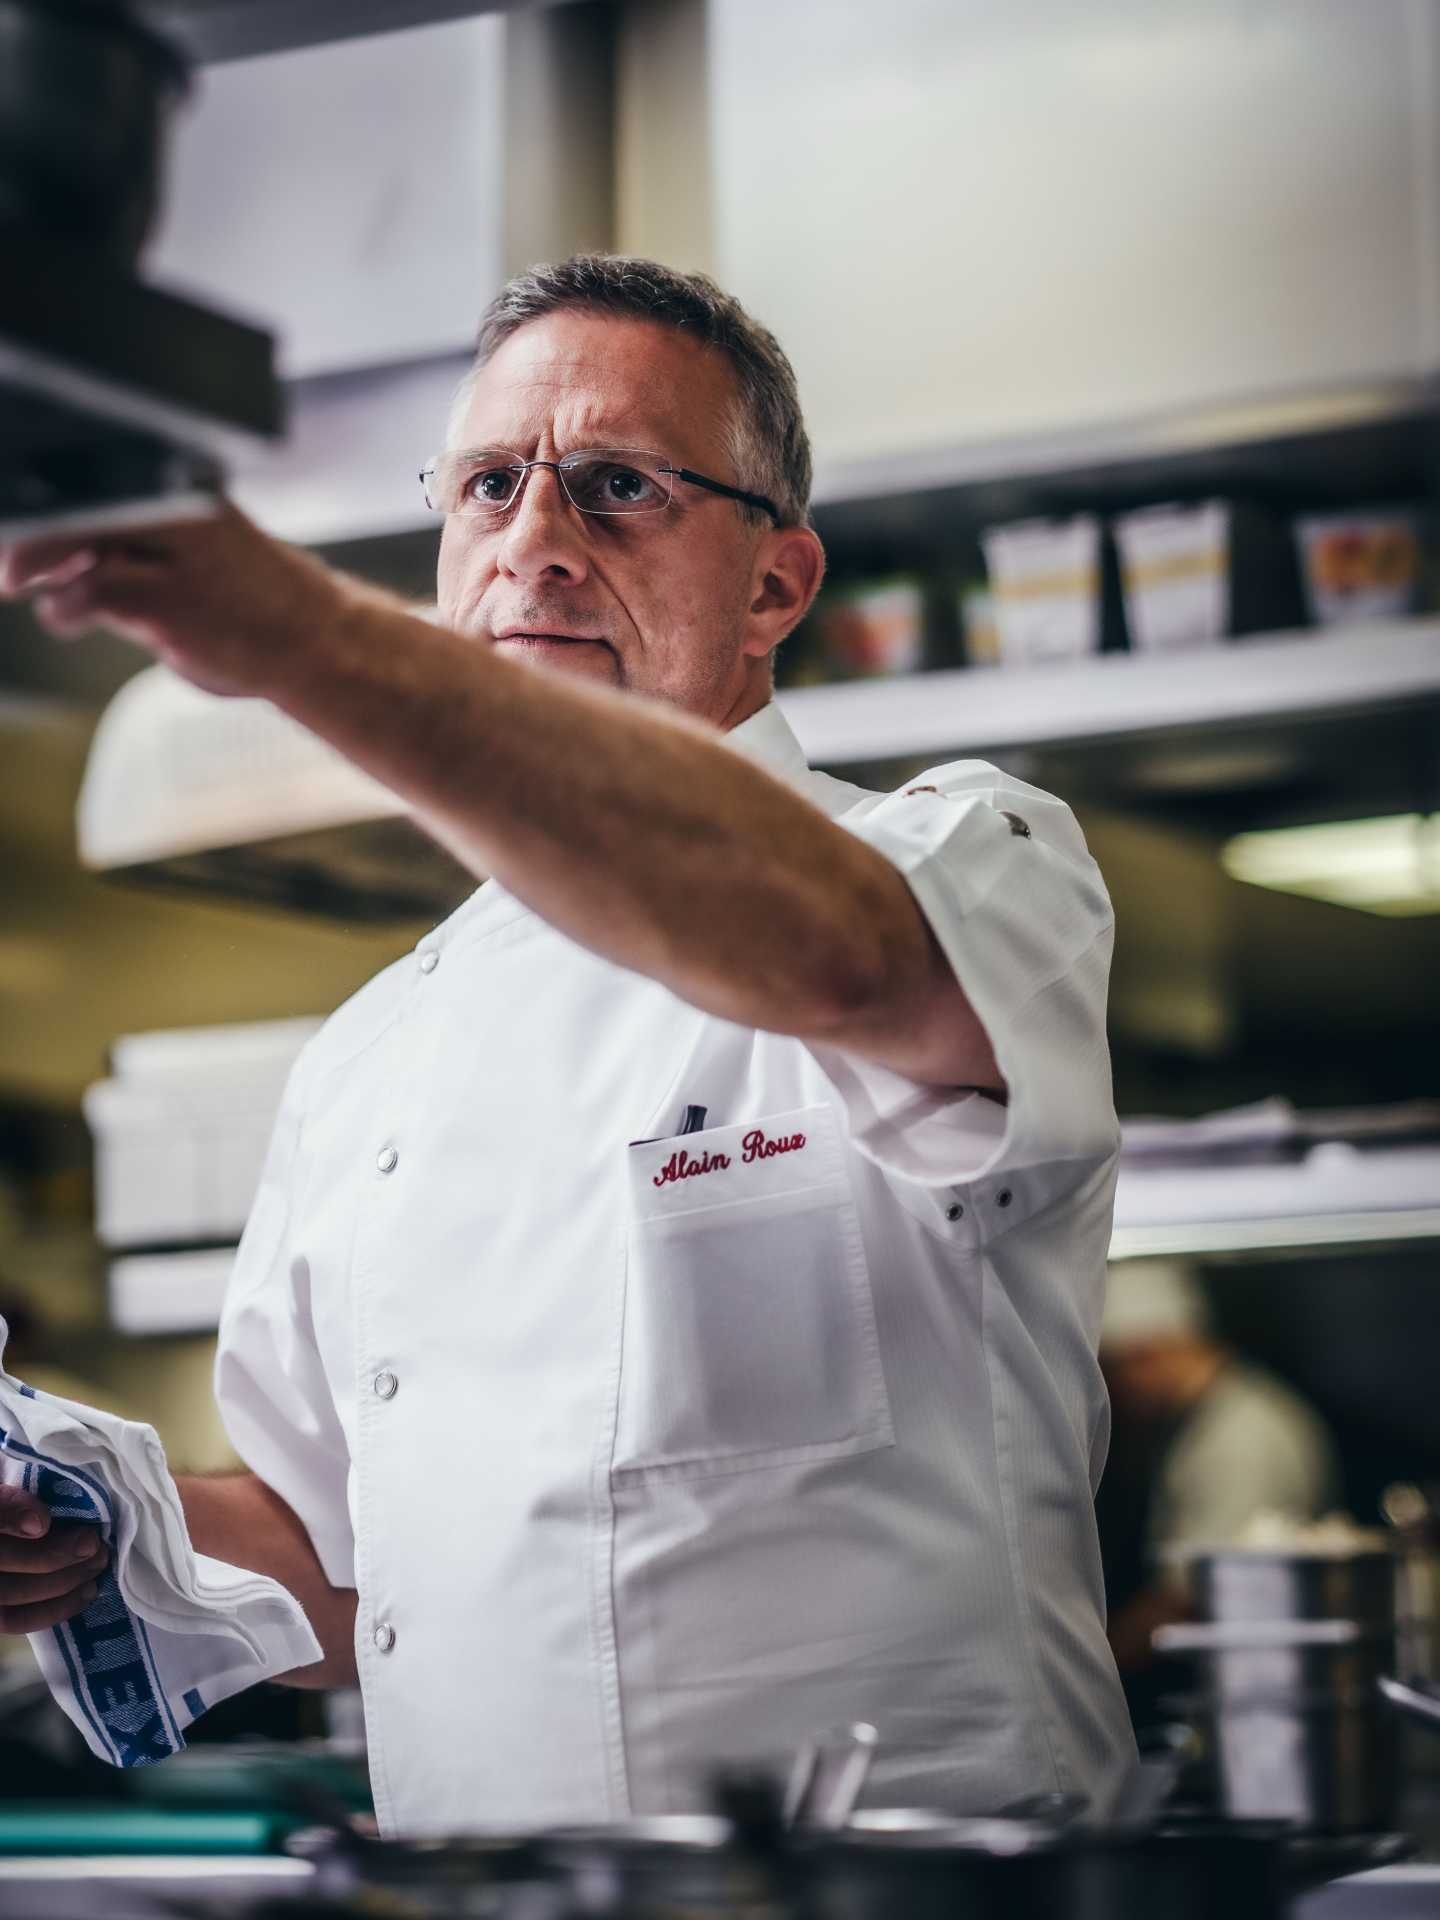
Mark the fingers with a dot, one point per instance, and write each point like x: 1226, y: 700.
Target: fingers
x: 27, y: 567
x: 28, y: 564
x: 27, y: 1590
x: 22, y: 1513
x: 47, y: 1613
x: 47, y: 1572
x: 61, y: 1547
x: 113, y: 587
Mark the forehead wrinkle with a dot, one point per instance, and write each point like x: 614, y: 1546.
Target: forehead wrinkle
x: 567, y: 399
x: 572, y: 427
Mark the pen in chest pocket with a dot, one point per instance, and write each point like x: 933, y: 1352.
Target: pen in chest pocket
x: 691, y: 1121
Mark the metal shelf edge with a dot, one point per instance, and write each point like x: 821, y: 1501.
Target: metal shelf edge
x: 1291, y: 675
x: 1278, y: 1235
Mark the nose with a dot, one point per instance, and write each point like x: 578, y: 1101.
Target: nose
x: 542, y: 538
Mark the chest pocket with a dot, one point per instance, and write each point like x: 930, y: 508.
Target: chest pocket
x: 749, y: 1334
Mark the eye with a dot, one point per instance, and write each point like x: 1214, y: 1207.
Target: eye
x: 491, y: 486
x: 624, y: 484
x: 613, y: 486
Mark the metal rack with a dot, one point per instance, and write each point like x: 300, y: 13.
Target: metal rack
x: 1291, y: 677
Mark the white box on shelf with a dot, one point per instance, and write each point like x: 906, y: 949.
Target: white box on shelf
x: 181, y: 1130
x: 250, y: 1051
x: 169, y: 1292
x: 1175, y: 566
x: 1045, y: 579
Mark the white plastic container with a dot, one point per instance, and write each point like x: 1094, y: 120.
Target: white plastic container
x: 182, y: 1128
x: 1175, y: 566
x: 1045, y: 581
x: 169, y: 1292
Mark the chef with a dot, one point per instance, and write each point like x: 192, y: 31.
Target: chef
x: 666, y: 1328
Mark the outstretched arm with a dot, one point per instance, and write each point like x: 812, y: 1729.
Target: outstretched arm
x: 626, y: 824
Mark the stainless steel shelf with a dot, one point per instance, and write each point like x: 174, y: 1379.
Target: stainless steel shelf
x: 1337, y: 1196
x: 1288, y: 677
x: 1282, y: 1235
x: 213, y: 30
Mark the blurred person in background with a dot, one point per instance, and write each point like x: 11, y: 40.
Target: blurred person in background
x: 1202, y: 1442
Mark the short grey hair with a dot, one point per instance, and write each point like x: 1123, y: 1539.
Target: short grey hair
x: 766, y: 438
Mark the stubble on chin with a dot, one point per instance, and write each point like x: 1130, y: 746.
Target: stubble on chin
x: 590, y: 661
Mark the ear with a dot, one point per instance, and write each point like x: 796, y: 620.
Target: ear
x: 789, y: 566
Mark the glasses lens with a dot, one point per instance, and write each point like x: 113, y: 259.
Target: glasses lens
x: 611, y: 480
x: 483, y: 482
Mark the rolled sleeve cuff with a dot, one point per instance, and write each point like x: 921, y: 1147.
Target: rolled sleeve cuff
x: 1020, y: 911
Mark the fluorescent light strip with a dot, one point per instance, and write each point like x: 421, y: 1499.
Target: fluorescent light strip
x: 1388, y: 866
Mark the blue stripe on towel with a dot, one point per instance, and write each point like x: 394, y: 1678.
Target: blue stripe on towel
x: 106, y: 1649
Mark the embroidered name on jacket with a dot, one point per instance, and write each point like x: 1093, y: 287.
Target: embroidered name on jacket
x: 755, y: 1145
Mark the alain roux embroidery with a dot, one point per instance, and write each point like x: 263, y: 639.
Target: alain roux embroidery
x: 755, y: 1145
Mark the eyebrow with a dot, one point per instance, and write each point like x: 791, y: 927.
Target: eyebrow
x: 641, y: 441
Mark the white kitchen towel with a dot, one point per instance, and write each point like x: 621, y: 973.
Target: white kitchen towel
x: 170, y: 1633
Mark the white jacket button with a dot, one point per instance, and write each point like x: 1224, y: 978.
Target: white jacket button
x: 384, y: 1637
x: 384, y: 1384
x: 387, y: 1159
x: 429, y: 960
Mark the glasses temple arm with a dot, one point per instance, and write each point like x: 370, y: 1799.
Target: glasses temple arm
x: 730, y: 493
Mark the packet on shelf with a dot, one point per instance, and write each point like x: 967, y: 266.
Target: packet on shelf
x: 1360, y: 566
x: 1175, y: 565
x: 1045, y: 579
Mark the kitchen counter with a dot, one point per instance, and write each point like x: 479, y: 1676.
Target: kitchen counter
x: 134, y: 1887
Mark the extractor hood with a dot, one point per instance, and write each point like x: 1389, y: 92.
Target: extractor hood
x: 118, y: 402
x: 186, y: 789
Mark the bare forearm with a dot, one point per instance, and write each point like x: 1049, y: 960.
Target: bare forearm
x: 236, y: 1517
x: 628, y: 826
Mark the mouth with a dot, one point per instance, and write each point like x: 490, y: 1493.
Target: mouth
x: 524, y: 637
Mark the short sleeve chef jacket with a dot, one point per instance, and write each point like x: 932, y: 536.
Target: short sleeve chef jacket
x: 645, y: 1448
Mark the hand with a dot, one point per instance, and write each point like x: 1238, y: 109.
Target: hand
x: 47, y: 1572
x: 216, y: 599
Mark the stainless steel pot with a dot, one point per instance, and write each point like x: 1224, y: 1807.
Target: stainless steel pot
x: 85, y: 94
x: 1241, y: 1583
x: 1287, y: 1666
x: 1244, y: 1661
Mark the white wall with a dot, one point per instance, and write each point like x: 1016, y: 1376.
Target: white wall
x: 970, y: 218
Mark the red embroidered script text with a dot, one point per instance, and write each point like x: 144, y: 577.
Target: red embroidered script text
x: 753, y: 1146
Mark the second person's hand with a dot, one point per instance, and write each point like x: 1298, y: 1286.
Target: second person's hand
x: 48, y: 1570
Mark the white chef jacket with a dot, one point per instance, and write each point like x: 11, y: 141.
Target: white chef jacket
x: 636, y: 1471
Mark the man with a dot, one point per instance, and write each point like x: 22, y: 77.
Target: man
x: 1204, y: 1443
x: 672, y: 1296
